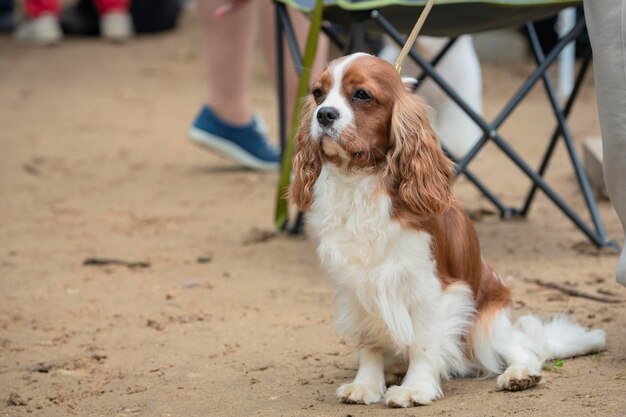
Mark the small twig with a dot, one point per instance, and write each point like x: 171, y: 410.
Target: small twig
x: 572, y: 291
x: 111, y: 261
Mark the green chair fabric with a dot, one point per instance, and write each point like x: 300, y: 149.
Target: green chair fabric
x: 447, y: 18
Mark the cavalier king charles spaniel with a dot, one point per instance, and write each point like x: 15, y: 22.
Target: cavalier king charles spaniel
x: 411, y: 288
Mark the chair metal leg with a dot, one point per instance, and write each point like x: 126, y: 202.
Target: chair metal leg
x: 290, y: 36
x: 280, y: 80
x: 298, y: 225
x: 521, y: 93
x: 557, y: 132
x: 596, y: 238
x: 567, y: 137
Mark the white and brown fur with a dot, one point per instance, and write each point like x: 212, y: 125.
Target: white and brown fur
x: 404, y: 258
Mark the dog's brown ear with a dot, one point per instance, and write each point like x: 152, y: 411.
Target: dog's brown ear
x: 307, y: 162
x: 418, y: 170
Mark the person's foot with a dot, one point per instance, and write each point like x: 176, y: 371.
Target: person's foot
x: 245, y: 144
x: 41, y: 30
x: 116, y: 26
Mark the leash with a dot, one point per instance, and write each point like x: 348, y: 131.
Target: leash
x: 411, y: 39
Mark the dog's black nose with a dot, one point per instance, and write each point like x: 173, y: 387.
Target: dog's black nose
x: 327, y: 115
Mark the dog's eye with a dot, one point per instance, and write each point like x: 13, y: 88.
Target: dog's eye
x: 361, y: 95
x: 317, y: 93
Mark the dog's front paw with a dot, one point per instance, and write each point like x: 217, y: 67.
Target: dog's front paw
x: 517, y: 378
x: 403, y: 397
x: 358, y: 394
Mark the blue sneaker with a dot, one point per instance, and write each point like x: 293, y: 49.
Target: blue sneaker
x: 246, y: 144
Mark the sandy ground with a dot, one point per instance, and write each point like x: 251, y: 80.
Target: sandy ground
x: 95, y: 163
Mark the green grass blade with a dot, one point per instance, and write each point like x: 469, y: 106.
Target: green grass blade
x: 282, y: 215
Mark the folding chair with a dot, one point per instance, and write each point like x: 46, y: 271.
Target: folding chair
x: 452, y: 18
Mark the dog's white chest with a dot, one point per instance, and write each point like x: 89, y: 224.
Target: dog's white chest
x: 351, y: 218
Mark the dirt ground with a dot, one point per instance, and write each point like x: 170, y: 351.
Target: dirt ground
x: 95, y: 162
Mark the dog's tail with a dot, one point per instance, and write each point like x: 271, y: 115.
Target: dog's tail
x: 497, y: 343
x: 561, y: 337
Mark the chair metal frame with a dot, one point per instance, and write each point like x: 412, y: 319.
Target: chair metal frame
x: 595, y: 232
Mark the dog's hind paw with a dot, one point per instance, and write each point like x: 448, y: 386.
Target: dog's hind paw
x: 517, y: 378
